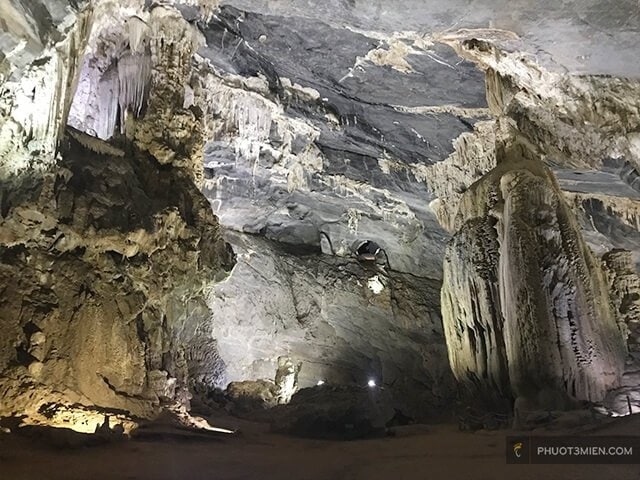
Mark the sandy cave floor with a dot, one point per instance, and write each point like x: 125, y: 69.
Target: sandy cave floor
x: 442, y: 452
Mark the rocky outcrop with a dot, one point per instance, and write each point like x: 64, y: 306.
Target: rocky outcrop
x: 103, y: 265
x: 137, y: 75
x: 525, y: 302
x: 106, y: 249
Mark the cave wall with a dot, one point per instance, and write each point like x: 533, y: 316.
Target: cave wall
x: 538, y: 250
x: 313, y: 147
x: 103, y: 265
x: 106, y: 248
x: 342, y: 321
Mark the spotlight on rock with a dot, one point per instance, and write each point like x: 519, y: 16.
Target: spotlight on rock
x: 371, y: 383
x: 320, y: 383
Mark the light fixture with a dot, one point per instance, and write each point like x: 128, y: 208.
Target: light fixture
x: 371, y: 383
x: 320, y: 383
x: 375, y: 285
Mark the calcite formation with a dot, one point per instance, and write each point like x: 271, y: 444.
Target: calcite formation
x: 525, y: 302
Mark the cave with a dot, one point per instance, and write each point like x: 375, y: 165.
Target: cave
x: 311, y: 240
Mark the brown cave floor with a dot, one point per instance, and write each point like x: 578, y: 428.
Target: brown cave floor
x: 442, y: 452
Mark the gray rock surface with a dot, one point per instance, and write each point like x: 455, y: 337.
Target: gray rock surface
x: 322, y: 311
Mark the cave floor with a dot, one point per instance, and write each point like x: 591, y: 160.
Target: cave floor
x: 440, y: 452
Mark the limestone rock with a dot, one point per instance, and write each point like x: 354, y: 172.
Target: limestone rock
x: 319, y: 311
x: 286, y: 379
x: 251, y: 397
x: 624, y: 288
x: 98, y: 288
x: 530, y: 300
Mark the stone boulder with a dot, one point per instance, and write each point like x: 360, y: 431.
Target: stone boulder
x: 251, y: 397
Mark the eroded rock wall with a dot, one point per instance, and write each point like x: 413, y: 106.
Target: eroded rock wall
x: 344, y: 322
x: 105, y: 250
x: 103, y: 265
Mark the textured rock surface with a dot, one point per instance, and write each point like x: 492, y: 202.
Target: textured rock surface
x: 100, y: 291
x: 329, y: 135
x: 624, y: 288
x: 534, y: 312
x: 278, y: 165
x: 105, y: 251
x: 40, y: 59
x: 322, y: 312
x: 326, y: 125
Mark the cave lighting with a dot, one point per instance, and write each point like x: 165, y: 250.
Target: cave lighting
x: 320, y: 383
x: 371, y: 383
x: 375, y: 285
x: 197, y: 422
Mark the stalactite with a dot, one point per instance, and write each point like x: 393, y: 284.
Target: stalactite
x: 138, y: 32
x: 134, y: 72
x: 108, y: 90
x: 123, y: 87
x: 253, y: 122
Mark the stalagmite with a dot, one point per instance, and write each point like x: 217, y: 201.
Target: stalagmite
x: 524, y: 300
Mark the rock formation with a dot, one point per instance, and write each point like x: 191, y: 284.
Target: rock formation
x: 99, y: 293
x: 494, y: 175
x: 106, y: 248
x: 525, y: 302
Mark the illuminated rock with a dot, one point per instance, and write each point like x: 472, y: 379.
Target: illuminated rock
x: 525, y: 302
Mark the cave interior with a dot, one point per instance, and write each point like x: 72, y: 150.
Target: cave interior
x: 230, y: 224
